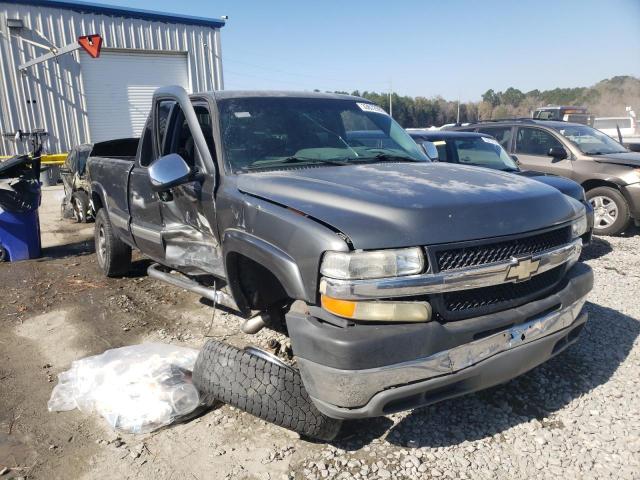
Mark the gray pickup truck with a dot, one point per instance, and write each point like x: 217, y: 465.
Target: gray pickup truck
x: 400, y: 282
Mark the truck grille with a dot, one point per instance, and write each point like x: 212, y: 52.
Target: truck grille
x: 506, y: 295
x: 474, y: 255
x: 463, y: 304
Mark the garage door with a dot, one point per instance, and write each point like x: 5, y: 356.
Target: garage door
x: 119, y: 87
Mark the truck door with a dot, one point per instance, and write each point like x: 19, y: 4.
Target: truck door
x: 188, y: 211
x: 532, y: 148
x: 144, y: 204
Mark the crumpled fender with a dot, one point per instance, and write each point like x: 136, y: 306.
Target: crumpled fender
x: 271, y: 257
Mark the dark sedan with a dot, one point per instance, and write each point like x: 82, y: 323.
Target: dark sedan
x: 480, y: 150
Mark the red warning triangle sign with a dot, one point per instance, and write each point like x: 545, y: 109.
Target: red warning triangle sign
x: 91, y: 44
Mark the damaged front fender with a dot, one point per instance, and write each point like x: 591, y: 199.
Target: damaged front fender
x: 282, y: 266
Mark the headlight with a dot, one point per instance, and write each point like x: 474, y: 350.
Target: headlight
x: 579, y: 227
x: 378, y: 311
x: 373, y: 264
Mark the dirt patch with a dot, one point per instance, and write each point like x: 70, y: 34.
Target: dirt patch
x: 54, y: 336
x: 580, y: 409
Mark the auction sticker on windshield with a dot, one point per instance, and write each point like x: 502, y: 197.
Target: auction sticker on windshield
x: 490, y: 140
x: 369, y: 107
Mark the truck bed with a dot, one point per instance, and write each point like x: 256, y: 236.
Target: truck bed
x: 113, y: 173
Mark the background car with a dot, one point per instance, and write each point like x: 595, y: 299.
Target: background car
x: 629, y: 129
x: 481, y: 150
x: 77, y: 191
x: 608, y: 172
x: 567, y: 113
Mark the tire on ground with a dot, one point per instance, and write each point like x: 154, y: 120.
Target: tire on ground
x: 80, y: 204
x: 624, y: 217
x: 272, y: 392
x: 114, y: 256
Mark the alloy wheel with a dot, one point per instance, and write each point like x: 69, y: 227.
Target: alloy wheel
x: 605, y: 211
x: 102, y: 246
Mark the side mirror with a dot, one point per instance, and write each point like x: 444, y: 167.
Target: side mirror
x: 558, y: 153
x: 515, y: 159
x: 168, y: 171
x: 431, y: 150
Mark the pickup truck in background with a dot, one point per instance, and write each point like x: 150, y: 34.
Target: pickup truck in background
x: 400, y: 282
x: 624, y: 129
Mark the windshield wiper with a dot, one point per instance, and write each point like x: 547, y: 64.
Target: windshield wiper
x: 337, y: 135
x: 388, y: 156
x: 294, y: 159
x: 327, y: 161
x: 607, y: 153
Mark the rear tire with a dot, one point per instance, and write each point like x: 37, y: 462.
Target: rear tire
x: 80, y: 205
x: 611, y: 211
x: 269, y: 390
x: 114, y: 256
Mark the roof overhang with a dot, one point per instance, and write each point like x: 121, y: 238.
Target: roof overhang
x: 151, y: 15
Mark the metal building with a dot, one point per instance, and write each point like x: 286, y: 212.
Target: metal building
x: 78, y: 99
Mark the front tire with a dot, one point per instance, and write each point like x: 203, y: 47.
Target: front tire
x: 114, y: 256
x: 610, y: 209
x: 267, y: 389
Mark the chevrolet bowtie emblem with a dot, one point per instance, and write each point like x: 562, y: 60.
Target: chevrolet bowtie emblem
x: 523, y: 269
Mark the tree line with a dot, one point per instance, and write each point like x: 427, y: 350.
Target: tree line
x: 606, y: 98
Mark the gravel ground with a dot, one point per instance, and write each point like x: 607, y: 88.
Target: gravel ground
x: 577, y: 416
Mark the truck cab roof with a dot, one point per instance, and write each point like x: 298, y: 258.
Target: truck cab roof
x: 229, y: 94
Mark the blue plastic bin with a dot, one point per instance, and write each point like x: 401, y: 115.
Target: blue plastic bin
x: 19, y: 202
x: 20, y: 234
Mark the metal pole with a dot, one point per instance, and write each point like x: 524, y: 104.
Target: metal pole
x: 391, y: 98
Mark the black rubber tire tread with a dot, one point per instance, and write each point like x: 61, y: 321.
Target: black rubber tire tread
x: 267, y: 390
x: 80, y: 200
x: 624, y: 216
x: 118, y: 253
x: 4, y: 254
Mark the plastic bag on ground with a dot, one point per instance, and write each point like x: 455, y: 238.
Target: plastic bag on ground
x: 136, y: 389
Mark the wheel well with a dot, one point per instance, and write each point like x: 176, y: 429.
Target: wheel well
x: 591, y: 184
x: 253, y: 285
x: 96, y: 201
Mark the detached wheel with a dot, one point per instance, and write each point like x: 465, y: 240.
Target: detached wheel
x: 114, y: 256
x: 610, y: 209
x: 267, y: 388
x: 80, y: 206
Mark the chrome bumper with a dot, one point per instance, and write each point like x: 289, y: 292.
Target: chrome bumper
x: 354, y: 388
x: 452, y: 280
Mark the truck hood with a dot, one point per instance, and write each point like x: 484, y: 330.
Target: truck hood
x: 631, y: 159
x: 403, y: 204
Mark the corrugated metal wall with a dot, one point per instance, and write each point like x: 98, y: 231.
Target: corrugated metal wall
x: 51, y: 95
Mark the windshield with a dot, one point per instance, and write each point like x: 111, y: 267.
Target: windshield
x: 481, y: 152
x: 273, y: 132
x: 589, y: 140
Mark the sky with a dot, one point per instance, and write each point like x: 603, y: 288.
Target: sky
x: 456, y: 49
